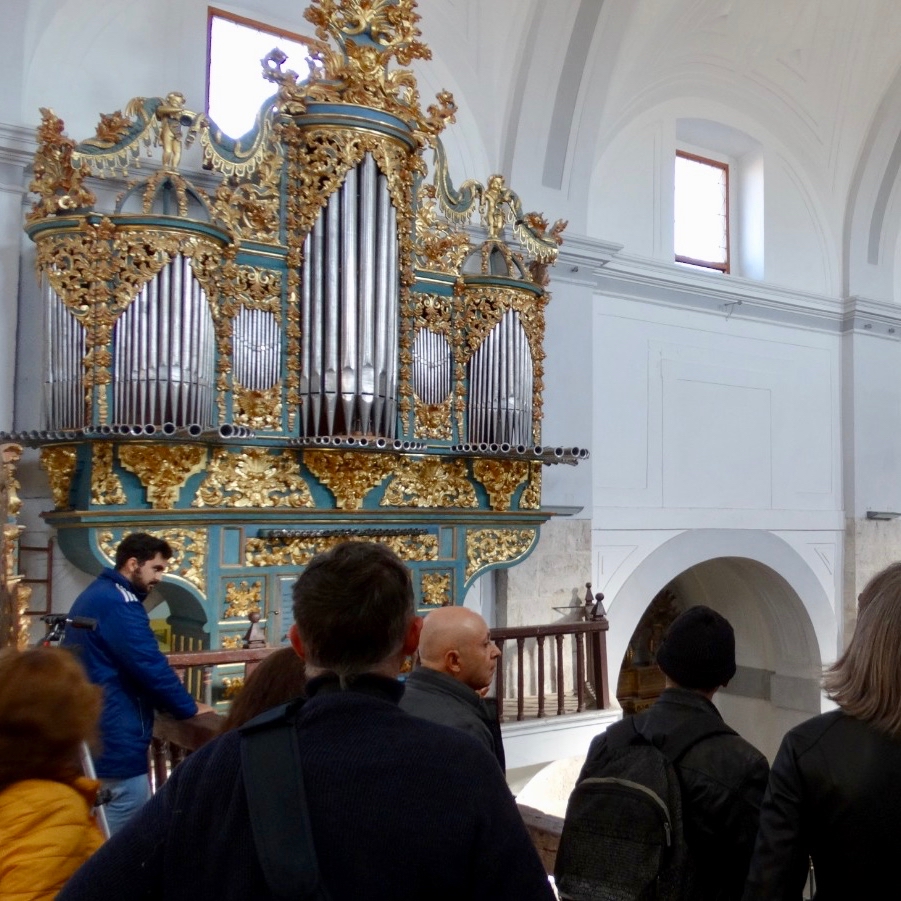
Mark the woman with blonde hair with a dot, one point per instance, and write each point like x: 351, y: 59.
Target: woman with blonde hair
x: 834, y: 795
x: 48, y: 708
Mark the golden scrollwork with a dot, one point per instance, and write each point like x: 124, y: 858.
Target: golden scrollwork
x: 531, y: 497
x: 106, y: 489
x: 434, y: 420
x: 189, y: 551
x: 163, y: 469
x: 349, y: 476
x: 430, y: 482
x: 14, y: 594
x: 253, y: 477
x: 231, y: 643
x: 242, y: 599
x: 439, y: 247
x: 485, y: 547
x: 57, y: 180
x: 436, y: 589
x: 231, y: 685
x: 501, y: 479
x: 251, y: 207
x: 299, y: 551
x: 258, y: 409
x: 58, y: 461
x: 10, y: 454
x: 357, y: 73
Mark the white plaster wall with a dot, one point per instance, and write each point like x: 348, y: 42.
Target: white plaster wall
x: 700, y: 411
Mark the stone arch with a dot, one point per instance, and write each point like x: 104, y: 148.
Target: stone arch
x: 773, y: 592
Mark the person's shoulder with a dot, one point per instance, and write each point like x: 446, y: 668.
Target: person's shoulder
x: 41, y: 801
x: 811, y: 732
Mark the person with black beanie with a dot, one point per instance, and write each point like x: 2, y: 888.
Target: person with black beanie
x: 723, y: 777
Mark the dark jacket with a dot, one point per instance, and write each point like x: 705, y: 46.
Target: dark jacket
x: 834, y: 796
x: 442, y: 699
x: 723, y: 778
x: 123, y: 657
x: 399, y: 808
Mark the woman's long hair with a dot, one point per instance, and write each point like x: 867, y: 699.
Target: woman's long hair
x: 866, y: 680
x: 278, y: 678
x: 47, y: 709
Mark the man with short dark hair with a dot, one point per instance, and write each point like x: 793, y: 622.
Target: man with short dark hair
x: 722, y: 776
x: 398, y: 807
x: 123, y: 657
x: 457, y: 662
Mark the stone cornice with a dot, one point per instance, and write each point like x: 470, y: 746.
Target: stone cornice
x: 17, y: 144
x: 609, y: 270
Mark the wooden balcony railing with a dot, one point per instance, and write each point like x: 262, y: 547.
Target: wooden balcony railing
x: 578, y: 670
x: 586, y: 666
x: 174, y: 739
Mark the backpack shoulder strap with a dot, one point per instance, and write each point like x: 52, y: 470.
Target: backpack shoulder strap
x: 695, y: 729
x: 276, y: 799
x: 622, y: 734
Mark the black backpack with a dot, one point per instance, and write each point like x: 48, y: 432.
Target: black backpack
x: 622, y: 837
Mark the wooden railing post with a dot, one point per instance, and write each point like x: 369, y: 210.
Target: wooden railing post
x: 540, y: 651
x: 520, y: 693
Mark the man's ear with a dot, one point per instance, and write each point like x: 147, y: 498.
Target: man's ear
x: 411, y: 636
x: 452, y: 661
x: 296, y: 641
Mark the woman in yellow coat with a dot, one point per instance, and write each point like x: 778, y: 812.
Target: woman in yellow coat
x: 47, y: 709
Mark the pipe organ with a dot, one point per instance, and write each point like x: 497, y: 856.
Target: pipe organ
x: 268, y: 346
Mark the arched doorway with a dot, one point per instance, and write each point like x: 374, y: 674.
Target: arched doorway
x: 777, y: 606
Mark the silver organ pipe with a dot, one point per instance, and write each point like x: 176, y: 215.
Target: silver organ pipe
x: 256, y: 349
x: 432, y: 365
x: 499, y: 409
x: 349, y: 307
x: 64, y: 367
x: 163, y: 352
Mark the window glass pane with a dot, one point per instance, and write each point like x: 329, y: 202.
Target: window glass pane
x: 701, y: 219
x: 236, y: 84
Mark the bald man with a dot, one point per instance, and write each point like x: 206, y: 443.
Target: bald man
x: 458, y: 660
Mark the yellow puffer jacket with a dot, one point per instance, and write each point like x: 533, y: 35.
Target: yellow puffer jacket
x: 46, y: 833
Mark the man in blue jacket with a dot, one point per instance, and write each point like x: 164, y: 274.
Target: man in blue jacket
x: 122, y: 656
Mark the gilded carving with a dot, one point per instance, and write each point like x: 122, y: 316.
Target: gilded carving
x: 56, y: 180
x: 251, y: 208
x: 14, y: 595
x: 189, y: 551
x: 430, y: 482
x: 163, y: 469
x: 253, y: 477
x: 258, y: 409
x: 485, y: 547
x: 106, y: 489
x: 436, y: 589
x: 299, y: 551
x: 439, y: 247
x: 58, y: 461
x: 434, y: 420
x: 242, y: 599
x: 501, y: 479
x: 231, y: 643
x: 231, y: 685
x: 349, y: 476
x: 531, y: 497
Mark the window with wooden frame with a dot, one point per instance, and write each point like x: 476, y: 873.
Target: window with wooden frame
x: 701, y: 227
x: 235, y: 88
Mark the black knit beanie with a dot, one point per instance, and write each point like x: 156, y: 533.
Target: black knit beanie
x: 698, y: 650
